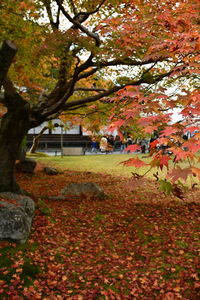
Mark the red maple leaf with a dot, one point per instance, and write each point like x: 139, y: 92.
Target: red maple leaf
x: 115, y: 125
x: 133, y: 162
x: 191, y: 129
x: 132, y: 148
x: 179, y: 173
x: 169, y: 130
x: 160, y: 161
x: 164, y: 161
x: 192, y: 145
x: 181, y: 154
x: 154, y: 144
x: 150, y: 129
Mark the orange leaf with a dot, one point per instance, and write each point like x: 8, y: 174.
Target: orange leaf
x: 133, y: 162
x: 196, y: 171
x: 179, y: 173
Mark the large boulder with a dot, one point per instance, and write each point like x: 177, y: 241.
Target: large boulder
x: 87, y: 189
x: 16, y: 213
x: 26, y: 166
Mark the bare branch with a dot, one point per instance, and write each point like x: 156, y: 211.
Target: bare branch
x: 129, y: 62
x: 87, y: 74
x: 95, y: 97
x: 93, y: 11
x: 126, y: 62
x: 89, y: 89
x: 54, y: 25
x: 58, y: 18
x: 75, y: 21
x: 54, y: 116
x: 88, y: 63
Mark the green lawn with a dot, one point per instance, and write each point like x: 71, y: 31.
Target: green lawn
x: 103, y: 164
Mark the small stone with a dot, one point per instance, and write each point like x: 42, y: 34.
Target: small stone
x: 87, y: 189
x: 50, y: 171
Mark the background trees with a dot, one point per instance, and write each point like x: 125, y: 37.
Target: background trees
x: 142, y: 46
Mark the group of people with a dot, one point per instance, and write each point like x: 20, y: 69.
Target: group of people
x: 106, y: 144
x: 109, y: 143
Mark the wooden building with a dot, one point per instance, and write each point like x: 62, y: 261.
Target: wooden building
x: 59, y: 137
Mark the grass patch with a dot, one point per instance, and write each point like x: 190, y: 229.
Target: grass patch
x: 8, y: 259
x: 44, y: 208
x: 29, y: 272
x: 37, y: 155
x: 182, y: 244
x: 109, y: 164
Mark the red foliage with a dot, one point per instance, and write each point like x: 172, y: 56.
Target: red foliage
x: 132, y: 148
x: 134, y: 162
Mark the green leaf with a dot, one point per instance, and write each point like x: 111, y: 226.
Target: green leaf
x: 165, y: 186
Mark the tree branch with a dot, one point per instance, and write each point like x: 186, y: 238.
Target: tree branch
x: 7, y: 53
x: 58, y: 18
x: 75, y: 21
x: 87, y: 74
x: 97, y: 97
x: 63, y: 91
x: 93, y: 11
x: 128, y: 62
x: 73, y: 7
x: 12, y: 98
x: 57, y: 106
x: 54, y: 25
x: 9, y: 87
x: 114, y: 89
x: 89, y: 89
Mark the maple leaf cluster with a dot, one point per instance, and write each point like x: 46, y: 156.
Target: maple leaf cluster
x: 172, y: 143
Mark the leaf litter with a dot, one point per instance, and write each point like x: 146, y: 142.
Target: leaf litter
x: 135, y: 244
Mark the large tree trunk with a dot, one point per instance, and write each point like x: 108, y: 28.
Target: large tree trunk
x: 13, y: 125
x: 12, y: 131
x: 7, y: 53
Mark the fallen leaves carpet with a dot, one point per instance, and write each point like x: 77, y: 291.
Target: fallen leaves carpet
x: 132, y: 245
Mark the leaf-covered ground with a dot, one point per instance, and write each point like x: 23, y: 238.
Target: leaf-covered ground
x: 132, y: 245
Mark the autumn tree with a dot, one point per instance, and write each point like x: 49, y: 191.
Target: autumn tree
x: 49, y: 47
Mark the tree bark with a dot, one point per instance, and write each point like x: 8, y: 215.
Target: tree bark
x: 7, y: 53
x: 12, y: 131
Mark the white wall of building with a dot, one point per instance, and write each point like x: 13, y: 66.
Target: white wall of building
x: 57, y: 130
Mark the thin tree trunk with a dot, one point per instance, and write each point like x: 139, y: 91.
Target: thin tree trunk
x: 36, y: 140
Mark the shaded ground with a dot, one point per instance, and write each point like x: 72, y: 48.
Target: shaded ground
x: 133, y: 245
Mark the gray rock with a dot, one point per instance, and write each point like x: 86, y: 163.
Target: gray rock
x: 88, y: 189
x: 50, y: 171
x: 26, y: 166
x: 16, y: 213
